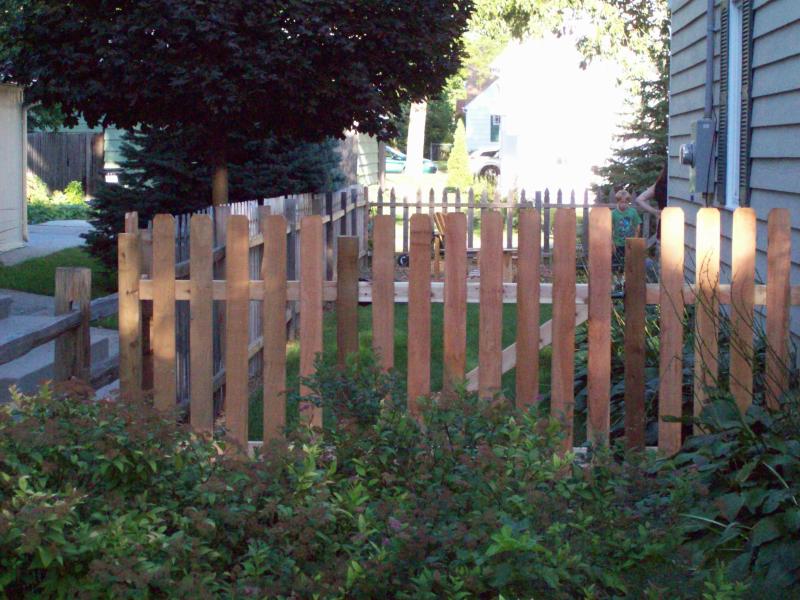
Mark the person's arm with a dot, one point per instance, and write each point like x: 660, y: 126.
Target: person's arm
x: 643, y: 200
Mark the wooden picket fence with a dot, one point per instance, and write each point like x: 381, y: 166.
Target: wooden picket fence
x: 344, y: 212
x: 569, y: 299
x: 401, y: 207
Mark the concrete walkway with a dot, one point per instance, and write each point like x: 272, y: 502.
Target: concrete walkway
x: 32, y: 311
x: 46, y: 238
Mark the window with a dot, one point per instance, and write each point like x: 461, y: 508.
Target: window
x: 494, y: 132
x: 734, y: 126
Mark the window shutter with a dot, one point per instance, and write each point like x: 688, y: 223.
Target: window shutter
x: 722, y: 129
x: 747, y: 105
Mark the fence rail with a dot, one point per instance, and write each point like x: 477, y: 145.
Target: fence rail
x: 275, y: 288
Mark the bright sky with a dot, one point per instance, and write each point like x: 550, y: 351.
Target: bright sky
x: 558, y: 119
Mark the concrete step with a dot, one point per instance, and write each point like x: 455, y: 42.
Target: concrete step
x: 5, y: 305
x: 29, y: 371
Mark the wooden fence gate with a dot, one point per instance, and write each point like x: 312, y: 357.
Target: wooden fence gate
x: 312, y: 288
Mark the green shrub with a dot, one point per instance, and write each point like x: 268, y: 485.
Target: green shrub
x: 746, y: 509
x: 44, y: 206
x: 115, y: 500
x: 459, y: 174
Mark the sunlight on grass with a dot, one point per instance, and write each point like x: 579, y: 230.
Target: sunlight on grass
x: 37, y: 275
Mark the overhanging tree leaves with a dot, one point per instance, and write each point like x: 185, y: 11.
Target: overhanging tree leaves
x: 303, y: 69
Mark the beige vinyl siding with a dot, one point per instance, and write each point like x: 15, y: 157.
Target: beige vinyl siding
x: 13, y: 219
x: 775, y: 121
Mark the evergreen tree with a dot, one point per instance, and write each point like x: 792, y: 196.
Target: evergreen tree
x: 458, y: 171
x: 159, y: 175
x: 642, y: 150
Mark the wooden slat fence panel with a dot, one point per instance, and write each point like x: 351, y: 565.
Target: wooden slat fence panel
x: 383, y: 232
x: 706, y: 311
x: 310, y: 307
x: 563, y: 368
x: 236, y: 322
x: 779, y: 253
x: 274, y: 309
x: 455, y: 304
x: 743, y: 273
x: 670, y: 390
x: 419, y: 312
x: 490, y: 342
x: 201, y: 331
x: 599, y: 362
x: 164, y: 367
x: 236, y: 286
x: 635, y: 341
x: 528, y: 309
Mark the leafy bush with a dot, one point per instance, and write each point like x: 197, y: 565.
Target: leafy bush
x: 116, y: 500
x: 459, y: 174
x: 748, y: 473
x: 45, y: 206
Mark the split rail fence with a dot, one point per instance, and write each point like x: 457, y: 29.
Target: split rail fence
x: 311, y: 286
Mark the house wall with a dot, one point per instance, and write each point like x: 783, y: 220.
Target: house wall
x: 479, y: 117
x: 13, y: 217
x: 359, y: 159
x: 775, y: 123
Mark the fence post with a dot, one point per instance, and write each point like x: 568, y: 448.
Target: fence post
x: 383, y: 234
x: 130, y: 322
x: 73, y: 349
x: 562, y: 403
x: 779, y: 264
x: 201, y: 358
x: 330, y: 234
x: 546, y: 214
x: 490, y: 340
x: 347, y: 298
x: 512, y: 200
x: 743, y: 274
x: 599, y: 358
x: 237, y: 302
x: 470, y: 217
x: 311, y: 275
x: 274, y: 323
x: 528, y: 309
x: 455, y: 301
x: 292, y: 258
x: 164, y: 388
x: 670, y: 387
x: 706, y: 307
x: 635, y: 299
x: 419, y: 313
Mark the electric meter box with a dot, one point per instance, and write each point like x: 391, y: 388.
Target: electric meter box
x: 699, y: 156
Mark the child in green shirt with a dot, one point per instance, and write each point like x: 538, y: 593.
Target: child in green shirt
x: 625, y: 222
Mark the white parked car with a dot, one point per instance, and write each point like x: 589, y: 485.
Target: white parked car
x: 485, y: 162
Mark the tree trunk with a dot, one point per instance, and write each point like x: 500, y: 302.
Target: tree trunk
x: 219, y: 179
x: 415, y: 144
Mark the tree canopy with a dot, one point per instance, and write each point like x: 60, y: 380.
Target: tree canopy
x: 296, y: 68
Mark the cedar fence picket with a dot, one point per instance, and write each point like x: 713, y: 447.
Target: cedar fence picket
x: 280, y: 282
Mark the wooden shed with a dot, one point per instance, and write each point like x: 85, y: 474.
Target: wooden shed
x: 13, y: 213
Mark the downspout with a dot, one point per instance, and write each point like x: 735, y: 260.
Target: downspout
x: 708, y: 108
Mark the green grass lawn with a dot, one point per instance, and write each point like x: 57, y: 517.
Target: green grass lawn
x: 401, y: 354
x: 37, y: 275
